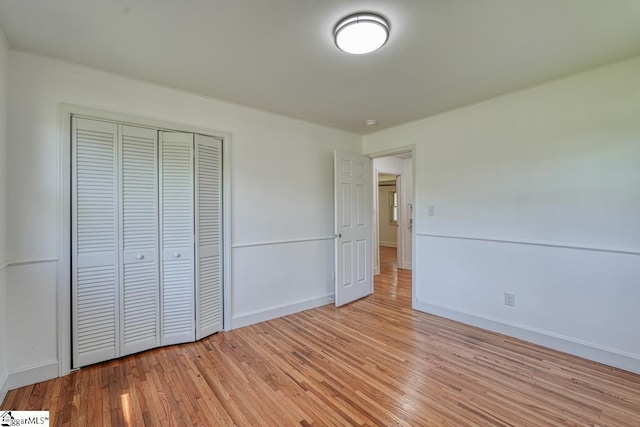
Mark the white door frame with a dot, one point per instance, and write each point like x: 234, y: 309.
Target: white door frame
x: 63, y: 280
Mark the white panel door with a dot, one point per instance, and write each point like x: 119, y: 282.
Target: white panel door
x: 353, y: 269
x: 94, y: 265
x: 177, y: 237
x: 139, y: 277
x: 208, y: 235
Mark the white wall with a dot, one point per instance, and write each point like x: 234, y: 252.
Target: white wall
x: 535, y: 193
x: 3, y: 214
x: 388, y: 231
x: 282, y: 190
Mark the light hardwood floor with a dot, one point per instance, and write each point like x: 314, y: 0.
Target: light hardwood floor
x: 372, y: 362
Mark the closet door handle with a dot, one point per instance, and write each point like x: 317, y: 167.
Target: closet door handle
x: 177, y: 255
x: 140, y: 256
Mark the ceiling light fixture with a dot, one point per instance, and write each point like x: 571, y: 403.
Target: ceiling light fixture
x: 360, y: 33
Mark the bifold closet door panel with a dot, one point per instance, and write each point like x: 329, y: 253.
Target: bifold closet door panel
x: 94, y: 247
x: 140, y: 289
x: 208, y: 188
x: 177, y: 238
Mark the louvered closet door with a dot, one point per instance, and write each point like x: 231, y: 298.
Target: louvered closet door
x: 94, y: 268
x: 208, y: 235
x: 177, y: 237
x: 140, y: 289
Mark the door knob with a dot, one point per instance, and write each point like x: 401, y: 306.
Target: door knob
x: 177, y: 255
x: 140, y: 256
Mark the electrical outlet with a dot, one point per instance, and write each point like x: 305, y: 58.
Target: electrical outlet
x: 509, y: 299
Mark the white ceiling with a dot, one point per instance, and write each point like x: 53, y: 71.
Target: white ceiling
x: 279, y: 56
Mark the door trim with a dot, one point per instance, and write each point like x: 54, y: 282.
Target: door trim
x: 63, y: 279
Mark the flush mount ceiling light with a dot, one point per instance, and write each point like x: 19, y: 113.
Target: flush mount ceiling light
x: 361, y: 33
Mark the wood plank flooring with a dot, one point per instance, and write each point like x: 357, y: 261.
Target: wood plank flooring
x: 372, y: 362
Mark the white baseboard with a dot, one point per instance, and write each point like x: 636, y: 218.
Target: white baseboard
x: 3, y: 389
x: 32, y: 374
x: 608, y: 356
x: 389, y: 244
x: 407, y: 265
x: 247, y: 319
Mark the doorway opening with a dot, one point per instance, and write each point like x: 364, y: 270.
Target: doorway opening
x: 393, y: 209
x: 393, y: 216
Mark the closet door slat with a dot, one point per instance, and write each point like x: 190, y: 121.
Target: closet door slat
x: 140, y: 290
x: 177, y: 237
x: 208, y: 187
x: 95, y: 314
